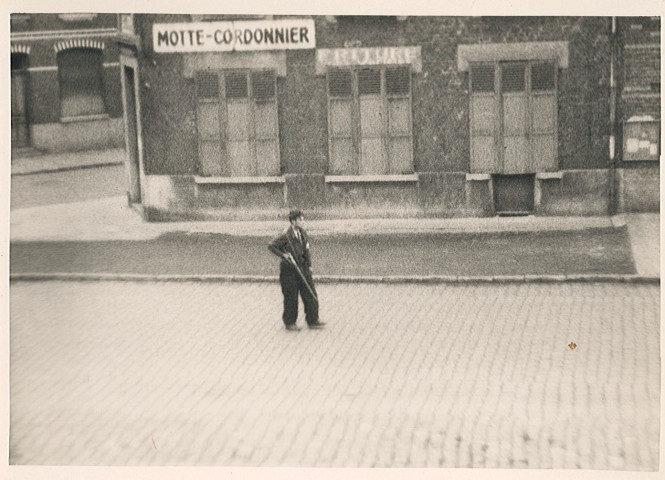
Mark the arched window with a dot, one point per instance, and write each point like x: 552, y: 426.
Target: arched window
x: 81, y: 85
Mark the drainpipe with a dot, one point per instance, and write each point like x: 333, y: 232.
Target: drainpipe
x: 613, y: 96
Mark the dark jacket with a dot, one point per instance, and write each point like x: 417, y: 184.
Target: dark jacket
x: 288, y: 242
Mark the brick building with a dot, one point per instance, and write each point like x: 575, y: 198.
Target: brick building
x: 638, y: 113
x: 65, y: 82
x: 248, y: 116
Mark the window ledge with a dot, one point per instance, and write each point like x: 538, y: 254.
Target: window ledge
x: 549, y: 175
x: 478, y: 177
x: 237, y: 180
x: 85, y: 118
x: 371, y: 178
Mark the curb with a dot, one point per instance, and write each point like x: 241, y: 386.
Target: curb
x: 66, y: 169
x: 432, y: 279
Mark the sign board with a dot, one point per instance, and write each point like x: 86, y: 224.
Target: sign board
x: 641, y: 140
x: 242, y: 36
x: 341, y: 57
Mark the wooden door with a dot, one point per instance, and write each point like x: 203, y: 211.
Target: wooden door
x: 19, y: 81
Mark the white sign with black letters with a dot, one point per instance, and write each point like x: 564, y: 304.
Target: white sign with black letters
x: 288, y: 34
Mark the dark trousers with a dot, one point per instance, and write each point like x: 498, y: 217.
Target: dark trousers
x: 292, y: 284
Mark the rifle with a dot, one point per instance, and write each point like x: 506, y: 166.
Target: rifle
x: 293, y: 262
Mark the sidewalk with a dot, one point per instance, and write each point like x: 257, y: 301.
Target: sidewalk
x: 111, y: 219
x: 66, y: 161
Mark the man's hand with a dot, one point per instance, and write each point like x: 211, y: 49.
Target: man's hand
x: 288, y: 257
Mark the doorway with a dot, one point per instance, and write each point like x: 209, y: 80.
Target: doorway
x: 19, y: 121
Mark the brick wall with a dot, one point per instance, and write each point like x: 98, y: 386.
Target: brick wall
x: 639, y: 73
x: 641, y: 66
x: 52, y: 21
x: 440, y: 91
x: 44, y: 92
x: 168, y: 105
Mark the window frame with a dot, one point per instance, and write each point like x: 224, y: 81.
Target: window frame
x: 497, y: 164
x: 222, y: 102
x: 101, y: 93
x: 355, y: 119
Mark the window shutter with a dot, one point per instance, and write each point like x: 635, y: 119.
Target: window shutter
x: 482, y: 119
x: 236, y: 85
x: 542, y: 77
x: 398, y: 81
x: 263, y: 86
x: 339, y: 83
x: 207, y: 85
x: 210, y: 142
x: 512, y: 78
x: 482, y: 78
x: 266, y: 143
x: 369, y: 81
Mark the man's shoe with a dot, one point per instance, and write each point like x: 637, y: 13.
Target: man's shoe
x: 293, y: 328
x: 317, y: 325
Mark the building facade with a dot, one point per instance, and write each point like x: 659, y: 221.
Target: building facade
x: 65, y: 82
x: 230, y: 117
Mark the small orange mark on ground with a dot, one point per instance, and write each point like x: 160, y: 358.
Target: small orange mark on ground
x: 572, y: 345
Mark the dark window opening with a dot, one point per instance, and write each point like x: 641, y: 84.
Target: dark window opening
x: 207, y: 85
x: 80, y: 77
x: 512, y: 78
x: 339, y: 83
x: 398, y: 81
x: 236, y: 85
x: 369, y: 81
x: 482, y: 78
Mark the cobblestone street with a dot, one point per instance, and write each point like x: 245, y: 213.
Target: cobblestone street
x: 466, y: 375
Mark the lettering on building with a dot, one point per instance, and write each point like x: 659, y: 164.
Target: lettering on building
x: 341, y: 57
x: 229, y: 36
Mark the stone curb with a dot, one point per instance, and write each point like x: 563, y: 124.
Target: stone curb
x: 429, y: 279
x: 66, y: 168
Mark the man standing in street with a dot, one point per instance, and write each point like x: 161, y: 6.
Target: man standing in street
x: 295, y: 273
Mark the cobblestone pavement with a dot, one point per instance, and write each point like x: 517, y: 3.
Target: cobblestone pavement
x: 122, y: 373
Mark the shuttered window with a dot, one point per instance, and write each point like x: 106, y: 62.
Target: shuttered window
x: 512, y: 78
x: 263, y: 86
x: 513, y: 117
x: 542, y: 77
x: 369, y: 82
x: 483, y: 121
x: 369, y: 121
x: 482, y: 78
x: 237, y: 123
x: 398, y: 81
x: 80, y: 77
x: 207, y: 85
x: 340, y: 83
x: 236, y: 85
